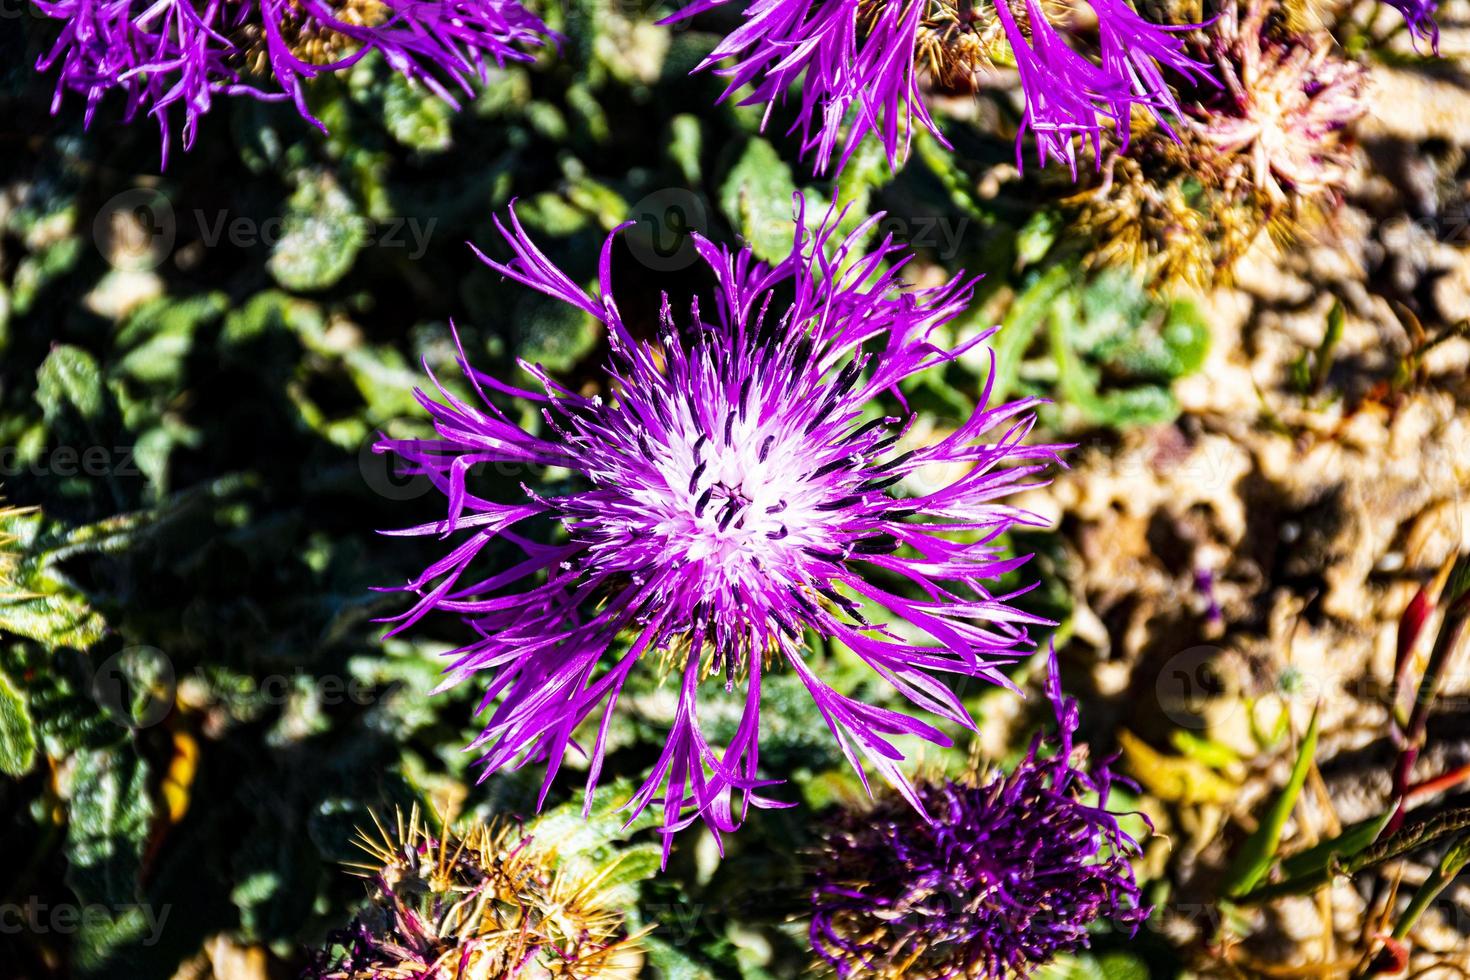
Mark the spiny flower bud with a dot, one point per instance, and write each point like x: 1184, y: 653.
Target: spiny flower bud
x: 486, y: 903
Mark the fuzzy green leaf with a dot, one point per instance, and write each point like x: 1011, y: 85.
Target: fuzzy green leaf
x: 757, y: 198
x: 17, y: 735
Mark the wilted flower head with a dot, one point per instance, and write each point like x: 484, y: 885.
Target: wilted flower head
x: 861, y: 63
x: 183, y: 53
x: 735, y: 493
x: 485, y: 904
x: 1272, y: 151
x: 1012, y: 870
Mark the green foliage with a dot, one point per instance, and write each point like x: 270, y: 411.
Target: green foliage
x: 757, y: 196
x: 1107, y: 966
x: 109, y: 809
x: 196, y: 434
x: 323, y: 233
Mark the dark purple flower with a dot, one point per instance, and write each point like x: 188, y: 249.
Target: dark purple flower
x: 859, y: 64
x: 736, y: 490
x: 179, y: 52
x: 1011, y: 871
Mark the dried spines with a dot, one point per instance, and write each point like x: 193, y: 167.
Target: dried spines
x: 955, y: 41
x: 488, y: 902
x: 958, y: 39
x: 1153, y: 213
x: 9, y: 555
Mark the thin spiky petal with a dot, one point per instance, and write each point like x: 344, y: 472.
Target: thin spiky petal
x: 861, y: 70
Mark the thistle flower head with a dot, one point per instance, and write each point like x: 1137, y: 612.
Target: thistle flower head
x: 1012, y: 870
x: 487, y: 903
x: 184, y: 53
x: 734, y: 493
x: 863, y: 65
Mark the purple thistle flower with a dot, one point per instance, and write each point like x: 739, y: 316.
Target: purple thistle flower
x: 859, y: 63
x: 734, y: 496
x: 1010, y: 872
x: 180, y: 52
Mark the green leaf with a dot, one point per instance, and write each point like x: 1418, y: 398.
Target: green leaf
x: 416, y: 117
x: 686, y: 142
x: 160, y: 335
x: 1446, y: 871
x: 1148, y: 343
x: 1024, y: 318
x: 634, y: 864
x: 1037, y: 236
x: 554, y: 335
x: 866, y: 172
x: 1205, y: 750
x: 1087, y: 966
x: 757, y: 198
x: 59, y: 620
x: 109, y: 814
x: 1322, y: 362
x: 1259, y: 849
x: 17, y: 736
x: 323, y: 234
x: 70, y: 380
x: 671, y: 962
x: 1411, y: 838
